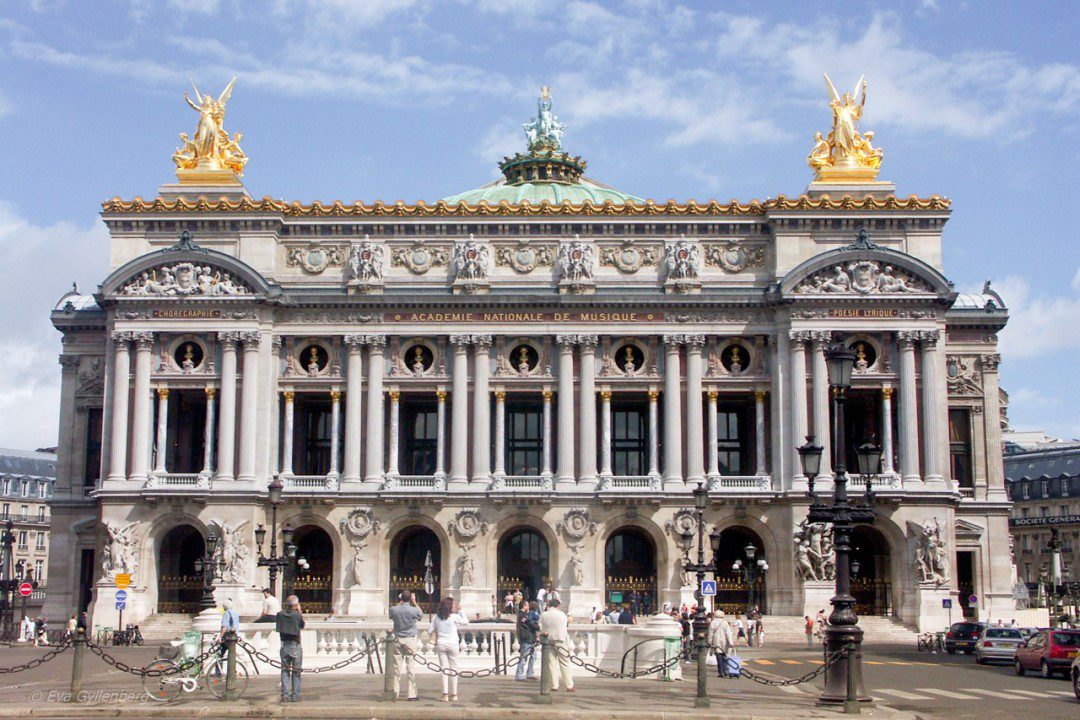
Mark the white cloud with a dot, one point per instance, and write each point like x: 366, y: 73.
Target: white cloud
x: 1038, y: 323
x: 6, y: 108
x: 500, y: 140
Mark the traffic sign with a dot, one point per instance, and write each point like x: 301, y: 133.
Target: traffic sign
x: 123, y: 580
x: 708, y: 588
x: 121, y: 596
x: 946, y: 603
x: 25, y: 589
x: 121, y: 605
x: 973, y: 599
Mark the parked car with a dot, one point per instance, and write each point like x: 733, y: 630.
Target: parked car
x: 1050, y: 652
x: 1075, y: 673
x: 963, y: 636
x: 998, y: 643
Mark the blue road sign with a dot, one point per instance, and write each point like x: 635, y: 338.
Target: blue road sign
x: 973, y: 599
x: 708, y: 588
x: 121, y: 605
x: 946, y: 603
x: 121, y: 596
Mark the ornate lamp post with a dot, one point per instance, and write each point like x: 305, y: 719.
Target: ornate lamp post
x: 844, y: 683
x: 1053, y: 596
x: 23, y: 573
x: 208, y: 565
x: 274, y: 562
x: 7, y: 582
x: 699, y: 568
x: 750, y: 571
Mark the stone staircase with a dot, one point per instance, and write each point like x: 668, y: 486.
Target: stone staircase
x: 164, y: 626
x: 791, y: 628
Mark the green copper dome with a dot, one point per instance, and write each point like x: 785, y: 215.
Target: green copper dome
x: 545, y: 172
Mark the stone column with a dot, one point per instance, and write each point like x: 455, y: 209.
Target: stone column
x: 909, y: 426
x: 760, y: 468
x: 605, y: 434
x: 500, y: 434
x: 395, y: 425
x: 587, y: 409
x: 140, y: 435
x: 119, y: 420
x: 654, y: 433
x: 995, y: 470
x: 287, y: 433
x: 673, y: 474
x: 935, y: 435
x: 798, y: 404
x: 376, y: 370
x: 440, y: 436
x: 780, y: 363
x: 695, y: 436
x: 353, y: 406
x: 712, y: 452
x: 546, y: 472
x: 566, y: 478
x: 208, y: 436
x: 162, y: 429
x: 335, y: 433
x: 481, y: 455
x: 886, y: 431
x: 459, y: 424
x: 249, y: 403
x: 227, y: 416
x: 820, y: 396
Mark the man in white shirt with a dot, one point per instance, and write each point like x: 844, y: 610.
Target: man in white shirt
x: 553, y: 626
x: 541, y: 598
x: 271, y: 606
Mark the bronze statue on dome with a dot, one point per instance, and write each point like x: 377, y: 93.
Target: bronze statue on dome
x: 845, y: 155
x: 211, y: 155
x: 544, y: 132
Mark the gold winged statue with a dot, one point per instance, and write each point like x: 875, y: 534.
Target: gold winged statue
x: 845, y: 155
x: 212, y: 156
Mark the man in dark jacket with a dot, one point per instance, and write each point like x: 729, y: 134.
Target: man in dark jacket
x: 289, y: 623
x: 626, y: 617
x: 528, y: 624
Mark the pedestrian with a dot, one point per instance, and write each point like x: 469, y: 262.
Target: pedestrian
x: 750, y: 629
x: 289, y: 622
x: 27, y: 629
x: 230, y: 621
x: 740, y: 629
x: 759, y: 631
x: 553, y: 626
x: 809, y: 631
x: 508, y: 603
x: 626, y: 617
x: 684, y: 627
x: 552, y: 594
x: 518, y: 597
x: 528, y: 625
x: 82, y: 625
x: 720, y: 641
x: 271, y: 606
x: 541, y: 598
x: 444, y: 626
x: 822, y: 622
x: 41, y: 631
x: 405, y: 616
x: 613, y: 615
x: 69, y: 631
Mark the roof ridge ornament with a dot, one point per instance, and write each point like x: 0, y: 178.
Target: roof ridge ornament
x: 862, y: 241
x: 185, y: 243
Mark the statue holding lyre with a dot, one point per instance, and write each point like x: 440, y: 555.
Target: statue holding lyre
x: 845, y: 155
x: 211, y: 155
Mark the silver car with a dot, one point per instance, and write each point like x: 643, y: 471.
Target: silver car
x: 998, y: 643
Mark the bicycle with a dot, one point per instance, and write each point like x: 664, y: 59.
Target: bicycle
x: 171, y: 678
x: 932, y: 642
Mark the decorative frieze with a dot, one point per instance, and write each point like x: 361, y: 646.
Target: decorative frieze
x: 733, y: 257
x: 628, y: 258
x: 183, y: 280
x: 314, y: 258
x: 419, y: 258
x: 524, y: 257
x: 862, y: 277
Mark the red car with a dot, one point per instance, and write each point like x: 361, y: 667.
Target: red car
x: 1049, y: 652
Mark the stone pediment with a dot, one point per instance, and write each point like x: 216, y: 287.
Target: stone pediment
x: 968, y: 530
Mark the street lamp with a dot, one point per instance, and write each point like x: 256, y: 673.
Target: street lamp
x: 699, y: 568
x: 843, y: 683
x: 7, y: 582
x: 1055, y: 576
x: 810, y: 458
x: 208, y: 566
x: 750, y: 572
x: 274, y: 562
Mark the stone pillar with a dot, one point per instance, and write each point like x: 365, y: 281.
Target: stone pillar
x: 335, y: 433
x: 695, y: 463
x: 673, y: 475
x: 934, y: 433
x: 440, y: 436
x: 760, y: 468
x: 249, y: 403
x: 605, y: 434
x: 566, y: 478
x: 353, y: 406
x: 713, y: 454
x: 820, y: 396
x: 500, y: 434
x: 208, y: 436
x: 376, y: 370
x: 227, y: 416
x: 459, y: 425
x: 119, y: 420
x: 162, y: 429
x: 799, y: 431
x: 140, y: 435
x: 995, y: 469
x: 780, y: 363
x: 886, y: 431
x: 481, y: 455
x: 654, y: 433
x: 546, y: 472
x: 287, y: 433
x: 909, y: 427
x: 395, y: 425
x: 587, y: 409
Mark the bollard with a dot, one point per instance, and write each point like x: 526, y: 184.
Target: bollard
x: 544, y: 698
x: 851, y: 702
x: 79, y: 646
x: 391, y: 667
x: 230, y: 671
x: 701, y: 700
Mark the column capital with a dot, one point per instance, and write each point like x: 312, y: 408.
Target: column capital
x: 121, y: 336
x: 276, y: 341
x: 211, y: 392
x: 990, y: 362
x: 712, y: 395
x: 654, y: 394
x: 929, y: 338
x: 548, y: 394
x: 760, y: 395
x: 605, y: 394
x: 441, y: 395
x: 566, y: 341
x: 906, y: 338
x: 821, y: 338
x: 375, y: 341
x: 162, y: 393
x: 588, y: 342
x: 461, y: 340
x: 354, y: 342
x: 69, y: 363
x: 482, y: 342
x: 289, y: 395
x: 799, y: 336
x: 673, y: 341
x: 694, y: 342
x: 394, y: 395
x: 500, y: 394
x: 335, y: 395
x: 250, y: 339
x: 228, y: 338
x: 143, y: 340
x: 887, y: 393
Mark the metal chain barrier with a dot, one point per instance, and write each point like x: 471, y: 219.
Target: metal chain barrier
x: 215, y: 649
x: 660, y: 667
x: 498, y: 668
x: 743, y: 672
x: 36, y: 662
x: 259, y: 655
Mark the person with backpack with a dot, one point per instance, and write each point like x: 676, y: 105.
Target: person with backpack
x: 528, y: 625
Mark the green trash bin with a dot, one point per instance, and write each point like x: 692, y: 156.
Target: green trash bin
x: 672, y: 648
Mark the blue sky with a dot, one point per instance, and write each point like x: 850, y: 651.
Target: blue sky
x: 405, y: 99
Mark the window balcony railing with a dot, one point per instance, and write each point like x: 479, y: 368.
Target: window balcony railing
x: 857, y: 484
x: 740, y: 483
x: 414, y: 483
x: 177, y: 482
x: 24, y: 518
x: 301, y: 484
x: 630, y: 483
x: 522, y: 483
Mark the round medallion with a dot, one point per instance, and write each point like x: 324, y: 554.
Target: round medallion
x: 315, y: 260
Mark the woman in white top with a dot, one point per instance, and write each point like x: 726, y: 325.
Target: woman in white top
x: 444, y: 626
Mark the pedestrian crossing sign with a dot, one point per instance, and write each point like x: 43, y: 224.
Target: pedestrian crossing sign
x: 708, y: 588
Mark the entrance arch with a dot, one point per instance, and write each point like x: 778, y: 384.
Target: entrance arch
x: 871, y: 586
x: 410, y: 552
x: 312, y: 575
x: 734, y: 594
x: 630, y: 570
x: 523, y: 562
x: 179, y: 586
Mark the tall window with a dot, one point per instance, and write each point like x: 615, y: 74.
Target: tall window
x: 732, y: 444
x: 420, y: 441
x: 312, y: 444
x: 41, y: 514
x: 22, y: 539
x: 39, y: 568
x: 7, y: 511
x: 524, y: 437
x: 629, y: 438
x: 960, y: 446
x: 92, y: 454
x: 40, y: 543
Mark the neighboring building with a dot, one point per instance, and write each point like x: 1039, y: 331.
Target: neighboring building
x: 523, y: 383
x: 1044, y: 486
x: 27, y: 481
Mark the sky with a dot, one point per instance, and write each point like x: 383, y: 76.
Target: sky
x: 407, y: 99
